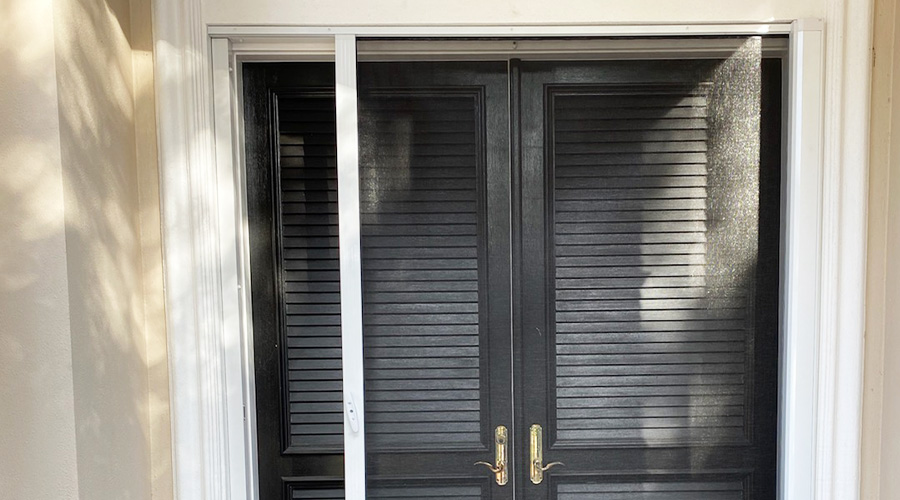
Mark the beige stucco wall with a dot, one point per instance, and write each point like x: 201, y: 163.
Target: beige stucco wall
x: 82, y: 340
x: 37, y: 413
x: 881, y: 408
x: 160, y: 429
x: 97, y: 139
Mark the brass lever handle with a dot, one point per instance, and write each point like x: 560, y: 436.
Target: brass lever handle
x: 548, y: 466
x: 501, y: 474
x: 493, y: 469
x: 537, y: 455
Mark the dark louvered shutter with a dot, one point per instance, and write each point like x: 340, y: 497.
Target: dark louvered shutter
x: 420, y: 233
x: 652, y: 310
x: 307, y: 195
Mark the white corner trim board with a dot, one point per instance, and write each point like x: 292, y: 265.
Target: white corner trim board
x: 845, y: 167
x: 204, y: 232
x: 191, y: 253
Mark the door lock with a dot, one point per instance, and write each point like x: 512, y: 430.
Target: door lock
x: 501, y: 471
x: 537, y: 455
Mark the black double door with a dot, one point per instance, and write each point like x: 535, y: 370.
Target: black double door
x: 577, y: 247
x: 577, y: 262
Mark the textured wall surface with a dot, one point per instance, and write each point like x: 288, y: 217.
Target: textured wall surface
x: 160, y: 431
x: 97, y: 139
x: 881, y: 408
x: 37, y: 415
x: 82, y: 339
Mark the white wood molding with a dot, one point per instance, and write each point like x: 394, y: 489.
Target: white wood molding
x: 505, y: 30
x: 845, y: 195
x: 192, y: 254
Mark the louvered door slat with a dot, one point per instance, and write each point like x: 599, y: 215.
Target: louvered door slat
x: 420, y: 237
x: 310, y: 272
x: 635, y: 280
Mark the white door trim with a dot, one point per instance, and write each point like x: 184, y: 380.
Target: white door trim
x: 845, y: 169
x: 204, y: 239
x: 505, y: 30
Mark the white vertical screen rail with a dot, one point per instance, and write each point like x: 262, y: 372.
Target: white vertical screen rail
x: 351, y: 267
x: 802, y: 263
x: 239, y: 463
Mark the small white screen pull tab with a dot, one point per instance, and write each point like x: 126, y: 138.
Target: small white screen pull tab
x: 352, y: 414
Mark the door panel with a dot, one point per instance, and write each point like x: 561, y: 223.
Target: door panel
x: 420, y: 230
x: 434, y: 213
x: 690, y: 490
x: 292, y: 210
x: 326, y: 490
x: 648, y: 325
x: 636, y: 277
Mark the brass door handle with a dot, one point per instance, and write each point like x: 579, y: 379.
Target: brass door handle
x: 501, y: 473
x: 537, y: 455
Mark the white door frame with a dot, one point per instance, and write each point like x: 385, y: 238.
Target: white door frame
x: 204, y: 228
